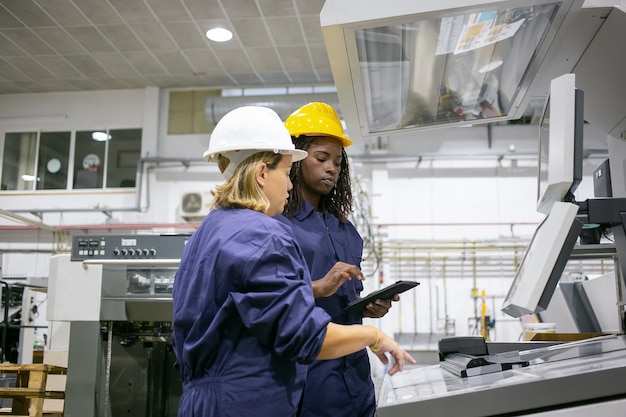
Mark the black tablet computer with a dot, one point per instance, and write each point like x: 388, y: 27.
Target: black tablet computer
x: 381, y: 294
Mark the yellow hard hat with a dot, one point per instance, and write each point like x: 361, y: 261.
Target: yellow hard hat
x: 317, y: 119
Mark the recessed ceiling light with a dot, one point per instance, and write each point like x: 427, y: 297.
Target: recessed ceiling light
x: 219, y: 35
x: 100, y: 136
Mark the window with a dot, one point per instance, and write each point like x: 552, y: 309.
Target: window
x: 53, y: 160
x: 90, y: 159
x: 18, y: 165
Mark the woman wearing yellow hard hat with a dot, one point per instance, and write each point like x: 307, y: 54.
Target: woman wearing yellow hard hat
x: 318, y: 208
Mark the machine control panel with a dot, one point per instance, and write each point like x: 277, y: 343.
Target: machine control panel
x: 162, y: 246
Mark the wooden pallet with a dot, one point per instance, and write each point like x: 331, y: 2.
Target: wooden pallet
x: 29, y: 392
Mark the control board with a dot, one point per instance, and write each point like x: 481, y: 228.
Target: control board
x: 166, y: 246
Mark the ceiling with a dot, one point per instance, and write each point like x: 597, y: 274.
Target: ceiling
x: 74, y: 45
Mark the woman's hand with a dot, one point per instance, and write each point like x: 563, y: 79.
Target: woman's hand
x: 379, y: 308
x: 385, y: 344
x: 338, y: 274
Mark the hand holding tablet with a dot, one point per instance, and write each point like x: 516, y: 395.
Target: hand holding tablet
x: 381, y: 294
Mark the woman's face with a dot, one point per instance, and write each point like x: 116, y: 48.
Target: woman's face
x: 320, y: 170
x: 276, y: 185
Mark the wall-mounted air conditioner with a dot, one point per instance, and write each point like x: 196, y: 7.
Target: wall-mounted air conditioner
x: 194, y: 206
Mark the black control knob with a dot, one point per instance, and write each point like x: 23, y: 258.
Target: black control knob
x: 152, y: 252
x: 124, y: 252
x: 116, y: 252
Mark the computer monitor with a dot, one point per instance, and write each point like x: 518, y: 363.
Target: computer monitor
x: 560, y: 143
x: 544, y: 261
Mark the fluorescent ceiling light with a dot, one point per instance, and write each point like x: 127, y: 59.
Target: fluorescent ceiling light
x: 219, y: 35
x: 100, y: 136
x: 27, y: 177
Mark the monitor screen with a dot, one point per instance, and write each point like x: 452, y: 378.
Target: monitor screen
x: 544, y: 261
x: 560, y: 144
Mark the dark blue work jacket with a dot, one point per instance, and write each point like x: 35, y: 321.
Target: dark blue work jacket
x: 245, y: 321
x: 340, y: 387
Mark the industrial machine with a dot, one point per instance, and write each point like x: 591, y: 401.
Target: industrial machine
x: 576, y: 379
x: 116, y: 294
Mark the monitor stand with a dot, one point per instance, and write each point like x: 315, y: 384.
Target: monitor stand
x: 611, y: 212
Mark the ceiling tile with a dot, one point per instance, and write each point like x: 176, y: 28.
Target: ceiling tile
x: 28, y: 12
x: 168, y: 10
x: 8, y: 48
x: 245, y: 79
x: 86, y: 84
x: 48, y: 86
x: 28, y: 41
x: 133, y: 11
x: 203, y: 61
x: 59, y: 67
x: 251, y: 32
x: 320, y: 56
x: 59, y: 40
x: 154, y: 37
x: 277, y: 78
x: 221, y: 81
x: 309, y: 7
x: 264, y: 59
x: 85, y: 64
x: 187, y: 35
x: 292, y: 59
x: 10, y: 73
x: 279, y: 26
x: 29, y: 67
x: 7, y: 20
x: 8, y: 87
x: 98, y: 12
x: 145, y: 63
x: 201, y: 9
x: 312, y: 29
x: 133, y: 82
x: 115, y: 64
x: 272, y: 8
x: 174, y: 62
x: 122, y: 38
x: 240, y: 8
x: 63, y: 12
x: 91, y: 39
x: 234, y: 60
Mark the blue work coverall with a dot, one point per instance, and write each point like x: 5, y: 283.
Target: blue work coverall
x: 340, y: 387
x: 245, y: 321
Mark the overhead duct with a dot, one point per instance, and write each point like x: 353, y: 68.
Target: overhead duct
x: 283, y: 104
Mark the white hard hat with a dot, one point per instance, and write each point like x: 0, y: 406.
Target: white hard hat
x: 247, y: 130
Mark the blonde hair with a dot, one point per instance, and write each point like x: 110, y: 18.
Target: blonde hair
x: 242, y: 190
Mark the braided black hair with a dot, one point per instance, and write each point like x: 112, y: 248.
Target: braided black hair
x: 338, y: 201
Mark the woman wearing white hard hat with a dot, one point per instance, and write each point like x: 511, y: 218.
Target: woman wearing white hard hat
x: 245, y: 321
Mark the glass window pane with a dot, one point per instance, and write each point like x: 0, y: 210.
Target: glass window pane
x: 124, y: 154
x: 89, y: 160
x: 18, y: 164
x: 54, y: 151
x: 454, y: 68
